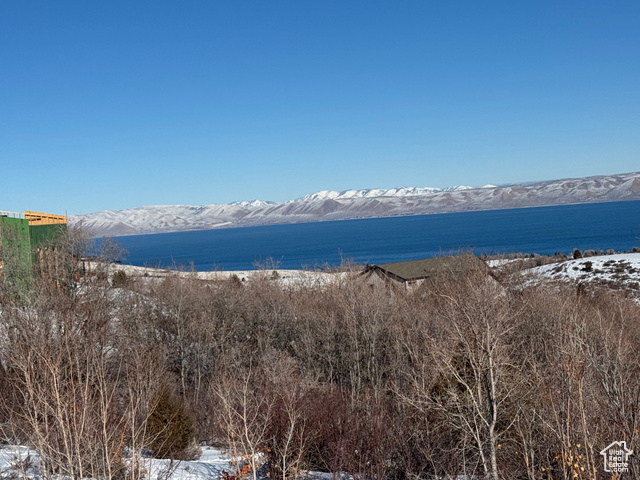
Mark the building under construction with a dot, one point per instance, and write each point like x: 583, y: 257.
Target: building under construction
x: 28, y: 242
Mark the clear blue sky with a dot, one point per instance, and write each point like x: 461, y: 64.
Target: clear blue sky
x: 114, y: 104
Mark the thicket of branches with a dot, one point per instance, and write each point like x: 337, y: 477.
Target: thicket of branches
x: 455, y: 377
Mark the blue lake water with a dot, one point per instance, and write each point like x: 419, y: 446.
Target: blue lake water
x: 543, y: 230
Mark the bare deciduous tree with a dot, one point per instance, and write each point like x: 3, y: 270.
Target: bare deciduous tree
x: 245, y: 415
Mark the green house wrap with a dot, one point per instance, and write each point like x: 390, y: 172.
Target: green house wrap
x: 24, y: 245
x: 15, y: 252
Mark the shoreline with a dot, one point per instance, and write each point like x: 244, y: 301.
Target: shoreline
x: 284, y: 276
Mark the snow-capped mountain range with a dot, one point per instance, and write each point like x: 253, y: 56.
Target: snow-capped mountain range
x: 378, y: 192
x: 367, y: 203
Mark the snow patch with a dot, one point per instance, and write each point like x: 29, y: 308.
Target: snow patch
x: 619, y: 270
x: 18, y: 461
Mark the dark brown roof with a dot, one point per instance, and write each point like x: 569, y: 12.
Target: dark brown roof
x: 431, y: 267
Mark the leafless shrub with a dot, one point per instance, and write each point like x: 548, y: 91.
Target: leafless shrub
x: 244, y: 417
x: 65, y: 386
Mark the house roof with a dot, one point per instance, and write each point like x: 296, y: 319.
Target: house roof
x: 431, y: 267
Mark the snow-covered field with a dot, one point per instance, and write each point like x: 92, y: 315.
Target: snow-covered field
x: 619, y: 271
x: 281, y: 276
x: 20, y: 462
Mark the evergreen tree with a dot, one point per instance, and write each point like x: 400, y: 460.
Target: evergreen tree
x: 169, y: 428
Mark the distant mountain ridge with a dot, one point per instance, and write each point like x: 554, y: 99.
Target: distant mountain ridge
x: 377, y: 192
x: 366, y: 203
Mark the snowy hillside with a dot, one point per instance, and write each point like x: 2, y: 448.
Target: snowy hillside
x: 618, y: 271
x: 378, y: 192
x: 367, y: 203
x: 252, y: 203
x: 367, y: 193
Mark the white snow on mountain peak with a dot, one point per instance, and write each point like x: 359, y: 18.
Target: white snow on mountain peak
x: 252, y: 203
x: 376, y: 192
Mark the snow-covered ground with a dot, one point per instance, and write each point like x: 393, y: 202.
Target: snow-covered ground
x: 502, y: 262
x: 18, y: 462
x: 281, y: 276
x: 210, y: 465
x: 21, y: 463
x: 619, y: 271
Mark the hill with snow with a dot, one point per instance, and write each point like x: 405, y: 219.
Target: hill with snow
x: 621, y: 271
x: 376, y: 192
x: 366, y: 203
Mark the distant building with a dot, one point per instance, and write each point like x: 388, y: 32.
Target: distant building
x: 27, y: 241
x: 414, y: 272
